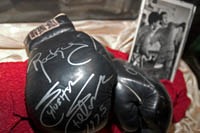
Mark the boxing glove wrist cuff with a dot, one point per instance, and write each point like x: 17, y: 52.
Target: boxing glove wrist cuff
x: 57, y: 25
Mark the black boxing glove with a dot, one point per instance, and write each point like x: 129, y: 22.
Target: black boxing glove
x: 69, y: 79
x: 140, y: 103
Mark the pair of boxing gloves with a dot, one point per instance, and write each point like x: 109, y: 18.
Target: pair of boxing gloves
x: 75, y: 86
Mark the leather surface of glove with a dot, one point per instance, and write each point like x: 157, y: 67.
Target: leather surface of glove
x: 69, y: 79
x: 141, y: 104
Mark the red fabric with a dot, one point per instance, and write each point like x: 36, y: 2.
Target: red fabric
x: 118, y: 54
x: 12, y: 102
x: 178, y: 93
x: 12, y: 99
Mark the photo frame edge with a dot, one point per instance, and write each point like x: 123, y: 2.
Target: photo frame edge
x: 182, y: 45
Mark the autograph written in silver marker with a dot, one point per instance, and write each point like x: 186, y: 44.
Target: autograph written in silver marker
x: 132, y: 71
x: 38, y: 61
x: 79, y: 109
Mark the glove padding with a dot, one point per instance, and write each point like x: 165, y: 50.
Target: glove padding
x: 69, y: 79
x: 140, y: 104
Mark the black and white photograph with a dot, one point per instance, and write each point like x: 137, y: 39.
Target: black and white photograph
x: 162, y: 30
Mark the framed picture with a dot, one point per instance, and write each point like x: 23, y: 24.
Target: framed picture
x: 162, y: 31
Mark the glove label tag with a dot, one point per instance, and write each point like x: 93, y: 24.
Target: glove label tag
x: 47, y: 26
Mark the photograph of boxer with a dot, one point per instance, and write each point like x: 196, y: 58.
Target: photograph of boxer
x: 160, y: 36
